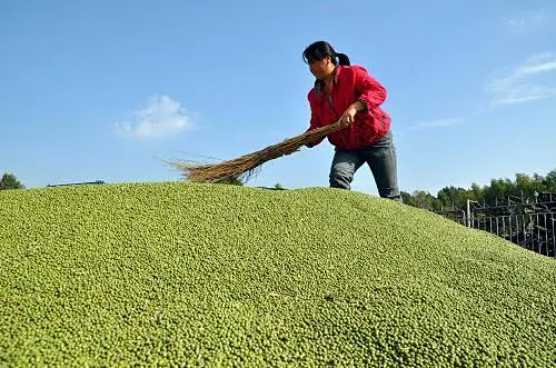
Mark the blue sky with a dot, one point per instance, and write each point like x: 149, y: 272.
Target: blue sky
x: 106, y: 90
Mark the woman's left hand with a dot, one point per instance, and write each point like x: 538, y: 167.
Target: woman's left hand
x: 348, y: 117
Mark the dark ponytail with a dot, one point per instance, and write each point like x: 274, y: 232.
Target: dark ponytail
x: 343, y: 59
x: 321, y: 49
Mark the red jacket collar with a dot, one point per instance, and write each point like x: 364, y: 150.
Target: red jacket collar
x: 337, y: 71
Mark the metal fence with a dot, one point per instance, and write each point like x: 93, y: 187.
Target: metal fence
x: 536, y: 232
x: 530, y: 225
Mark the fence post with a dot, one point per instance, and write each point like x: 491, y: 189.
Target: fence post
x: 468, y: 213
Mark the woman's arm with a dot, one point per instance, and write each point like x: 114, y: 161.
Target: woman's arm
x: 368, y: 90
x: 369, y: 95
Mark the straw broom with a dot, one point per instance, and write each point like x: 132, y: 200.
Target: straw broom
x: 243, y: 167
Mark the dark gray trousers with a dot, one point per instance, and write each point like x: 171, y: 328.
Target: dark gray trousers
x: 381, y: 158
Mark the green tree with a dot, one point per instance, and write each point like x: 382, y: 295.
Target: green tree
x: 494, y: 193
x: 550, y: 181
x: 408, y: 199
x: 426, y: 200
x: 499, y: 188
x: 524, y: 185
x: 9, y: 181
x: 540, y: 182
x: 477, y: 192
x: 453, y: 197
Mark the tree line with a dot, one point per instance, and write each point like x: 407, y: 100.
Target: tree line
x: 9, y: 181
x: 523, y: 186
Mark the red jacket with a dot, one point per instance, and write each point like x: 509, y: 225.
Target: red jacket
x: 351, y: 83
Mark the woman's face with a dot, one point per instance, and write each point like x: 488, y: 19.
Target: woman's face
x: 321, y: 68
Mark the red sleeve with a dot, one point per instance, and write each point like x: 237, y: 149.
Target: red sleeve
x: 368, y: 89
x: 315, y: 121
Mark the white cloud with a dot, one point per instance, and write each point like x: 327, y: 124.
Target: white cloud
x: 432, y: 124
x: 517, y: 85
x: 162, y: 117
x: 527, y: 21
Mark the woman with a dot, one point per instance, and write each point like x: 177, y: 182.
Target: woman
x: 348, y: 94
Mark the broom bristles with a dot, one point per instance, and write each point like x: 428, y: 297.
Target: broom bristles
x: 244, y: 167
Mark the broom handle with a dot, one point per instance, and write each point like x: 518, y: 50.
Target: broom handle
x: 299, y: 140
x: 314, y: 134
x: 317, y: 133
x: 275, y: 151
x: 327, y: 129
